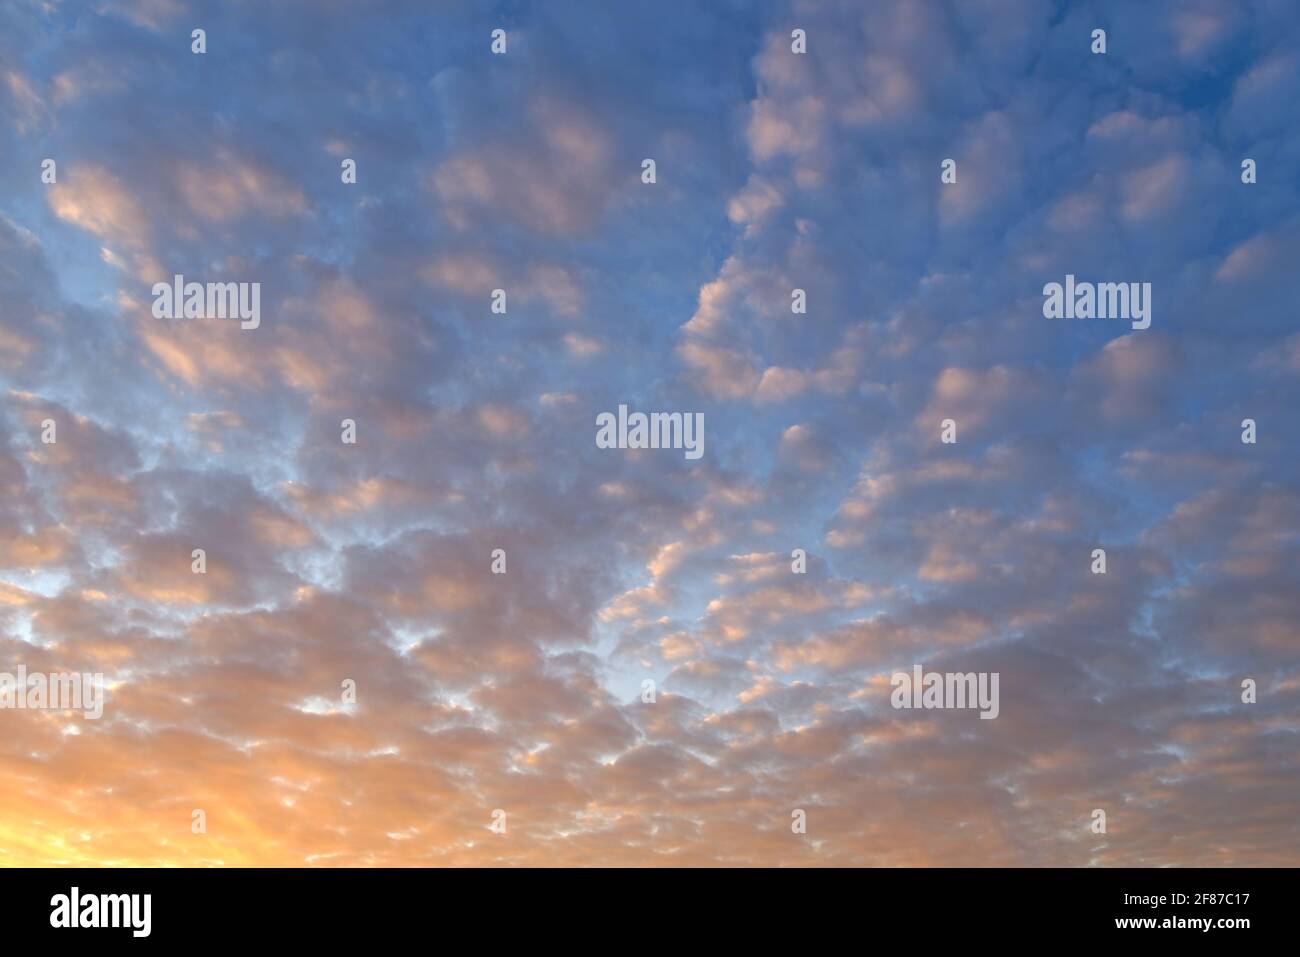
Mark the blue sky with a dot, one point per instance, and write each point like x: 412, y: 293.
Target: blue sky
x: 774, y: 171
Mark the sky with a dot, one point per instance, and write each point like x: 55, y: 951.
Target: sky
x: 349, y: 682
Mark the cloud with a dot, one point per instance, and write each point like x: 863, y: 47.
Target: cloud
x: 330, y: 564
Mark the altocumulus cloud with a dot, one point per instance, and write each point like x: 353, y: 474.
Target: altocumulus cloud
x: 518, y: 682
